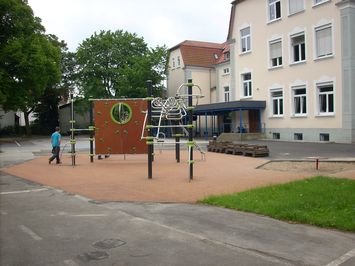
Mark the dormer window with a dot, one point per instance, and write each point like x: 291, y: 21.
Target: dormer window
x: 227, y: 56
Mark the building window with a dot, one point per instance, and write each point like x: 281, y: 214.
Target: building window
x: 246, y: 85
x: 275, y: 53
x: 323, y: 39
x: 226, y: 94
x: 298, y: 48
x: 318, y: 2
x: 226, y: 71
x: 173, y: 62
x: 295, y: 6
x: 178, y: 61
x: 324, y: 137
x: 325, y: 98
x: 227, y: 56
x: 245, y: 40
x: 275, y: 135
x: 299, y: 101
x: 298, y: 136
x: 274, y: 9
x: 277, y: 103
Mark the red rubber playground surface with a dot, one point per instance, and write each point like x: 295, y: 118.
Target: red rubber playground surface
x: 119, y: 179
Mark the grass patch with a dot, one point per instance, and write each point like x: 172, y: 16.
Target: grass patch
x: 322, y: 201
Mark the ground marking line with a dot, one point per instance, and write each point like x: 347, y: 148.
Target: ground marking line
x: 343, y: 258
x: 30, y: 232
x: 80, y: 214
x: 70, y: 263
x: 23, y: 191
x: 18, y: 144
x: 87, y: 215
x: 266, y: 257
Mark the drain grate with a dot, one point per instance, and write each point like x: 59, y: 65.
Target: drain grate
x: 94, y: 255
x: 109, y: 243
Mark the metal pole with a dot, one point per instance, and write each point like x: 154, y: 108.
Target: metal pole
x: 177, y: 148
x: 206, y: 127
x: 72, y: 138
x: 92, y: 132
x: 150, y: 139
x: 190, y: 121
x: 241, y: 124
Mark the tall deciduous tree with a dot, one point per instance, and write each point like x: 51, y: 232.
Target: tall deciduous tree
x: 29, y: 60
x: 46, y: 111
x: 117, y: 64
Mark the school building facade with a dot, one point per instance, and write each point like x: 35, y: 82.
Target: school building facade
x: 286, y: 70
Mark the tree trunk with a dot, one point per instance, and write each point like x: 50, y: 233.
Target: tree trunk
x: 27, y: 123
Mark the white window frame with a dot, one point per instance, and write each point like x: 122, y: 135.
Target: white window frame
x: 292, y: 55
x: 301, y: 96
x: 321, y: 2
x: 318, y: 86
x: 244, y: 40
x: 249, y: 85
x: 173, y: 62
x: 297, y: 11
x: 226, y: 93
x: 280, y: 102
x: 178, y: 61
x: 321, y: 27
x: 271, y: 42
x: 271, y: 6
x: 226, y: 71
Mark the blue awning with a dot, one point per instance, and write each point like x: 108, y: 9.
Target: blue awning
x: 225, y: 107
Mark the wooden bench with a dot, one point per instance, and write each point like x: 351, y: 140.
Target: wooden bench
x: 235, y: 148
x: 256, y: 151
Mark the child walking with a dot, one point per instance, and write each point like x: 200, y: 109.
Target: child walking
x: 55, y: 140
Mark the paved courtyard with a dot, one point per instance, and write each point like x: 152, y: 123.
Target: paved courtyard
x: 109, y: 213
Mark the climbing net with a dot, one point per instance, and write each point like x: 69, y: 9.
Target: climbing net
x: 173, y: 110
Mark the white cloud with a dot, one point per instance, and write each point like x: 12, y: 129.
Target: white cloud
x: 159, y: 22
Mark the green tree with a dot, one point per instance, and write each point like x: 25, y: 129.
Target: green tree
x: 29, y: 60
x: 46, y: 111
x: 118, y: 64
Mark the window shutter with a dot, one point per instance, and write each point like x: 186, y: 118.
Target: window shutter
x: 295, y: 6
x: 324, y: 41
x: 275, y: 49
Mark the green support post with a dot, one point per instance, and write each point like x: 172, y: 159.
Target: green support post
x: 190, y: 129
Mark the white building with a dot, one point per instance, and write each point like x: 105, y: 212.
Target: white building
x: 292, y: 71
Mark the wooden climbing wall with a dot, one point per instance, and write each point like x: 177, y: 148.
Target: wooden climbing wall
x: 119, y: 125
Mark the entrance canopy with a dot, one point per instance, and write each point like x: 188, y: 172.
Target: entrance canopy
x: 225, y: 107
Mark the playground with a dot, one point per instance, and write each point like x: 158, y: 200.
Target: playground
x: 125, y: 179
x: 128, y: 136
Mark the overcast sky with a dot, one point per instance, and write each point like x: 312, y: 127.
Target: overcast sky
x: 159, y: 22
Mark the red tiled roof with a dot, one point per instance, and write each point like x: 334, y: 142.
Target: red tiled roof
x: 199, y: 44
x: 201, y: 54
x: 222, y: 58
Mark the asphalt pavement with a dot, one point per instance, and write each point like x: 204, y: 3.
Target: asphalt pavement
x: 41, y: 225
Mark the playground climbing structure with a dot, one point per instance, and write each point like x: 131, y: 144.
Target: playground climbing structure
x: 118, y: 124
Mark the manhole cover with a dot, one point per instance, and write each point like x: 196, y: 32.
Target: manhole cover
x: 94, y: 255
x: 109, y: 243
x: 95, y: 202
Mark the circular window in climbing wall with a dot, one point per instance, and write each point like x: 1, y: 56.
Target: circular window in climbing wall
x: 121, y: 113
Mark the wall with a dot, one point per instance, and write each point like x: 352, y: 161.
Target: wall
x: 307, y: 73
x: 82, y: 120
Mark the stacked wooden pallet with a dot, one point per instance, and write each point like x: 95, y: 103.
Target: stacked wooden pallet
x: 238, y: 148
